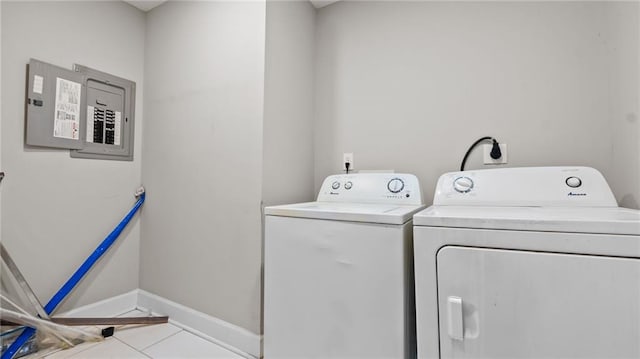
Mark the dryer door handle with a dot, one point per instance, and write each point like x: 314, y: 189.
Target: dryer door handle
x: 454, y: 318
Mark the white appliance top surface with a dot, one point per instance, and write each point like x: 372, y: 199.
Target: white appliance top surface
x: 354, y: 212
x: 559, y: 199
x: 614, y: 220
x: 525, y: 186
x: 387, y: 198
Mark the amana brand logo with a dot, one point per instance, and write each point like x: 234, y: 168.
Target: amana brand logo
x: 576, y: 194
x: 334, y: 193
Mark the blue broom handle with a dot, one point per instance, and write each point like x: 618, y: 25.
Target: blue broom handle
x: 64, y: 291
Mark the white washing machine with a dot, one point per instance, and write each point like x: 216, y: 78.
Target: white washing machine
x: 527, y: 263
x: 339, y: 271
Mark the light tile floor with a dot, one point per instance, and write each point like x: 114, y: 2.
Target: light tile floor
x: 148, y: 341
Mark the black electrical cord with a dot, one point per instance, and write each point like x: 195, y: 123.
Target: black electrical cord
x: 495, y: 150
x: 346, y: 166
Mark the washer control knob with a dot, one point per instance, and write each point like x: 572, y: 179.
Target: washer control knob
x: 335, y: 185
x: 348, y: 185
x: 573, y: 182
x: 463, y: 184
x: 395, y: 185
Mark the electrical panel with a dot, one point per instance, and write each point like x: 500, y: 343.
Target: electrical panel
x: 109, y: 116
x: 85, y: 110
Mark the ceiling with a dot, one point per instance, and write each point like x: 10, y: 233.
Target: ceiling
x: 146, y: 5
x: 322, y: 3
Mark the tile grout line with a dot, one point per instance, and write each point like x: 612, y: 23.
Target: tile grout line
x: 145, y: 312
x: 163, y: 339
x: 145, y: 354
x: 93, y: 344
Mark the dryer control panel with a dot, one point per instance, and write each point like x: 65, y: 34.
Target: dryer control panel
x: 394, y: 188
x: 525, y: 187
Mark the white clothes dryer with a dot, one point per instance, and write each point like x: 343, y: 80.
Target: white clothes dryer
x: 527, y: 263
x: 339, y: 271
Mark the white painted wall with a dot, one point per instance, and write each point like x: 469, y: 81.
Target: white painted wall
x: 204, y: 73
x: 623, y: 20
x: 55, y: 209
x: 287, y: 175
x: 410, y: 85
x: 287, y: 150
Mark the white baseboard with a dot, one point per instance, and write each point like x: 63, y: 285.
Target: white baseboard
x: 227, y: 335
x: 109, y: 307
x: 230, y: 336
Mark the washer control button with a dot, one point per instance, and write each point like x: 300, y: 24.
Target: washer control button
x: 573, y: 182
x: 463, y: 184
x: 395, y: 185
x: 335, y: 185
x: 348, y: 185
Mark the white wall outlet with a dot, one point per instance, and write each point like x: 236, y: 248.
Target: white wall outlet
x: 347, y: 158
x: 487, y: 155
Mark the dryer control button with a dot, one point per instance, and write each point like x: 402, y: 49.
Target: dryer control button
x: 348, y: 185
x: 573, y: 182
x: 335, y: 185
x: 395, y: 185
x: 463, y: 184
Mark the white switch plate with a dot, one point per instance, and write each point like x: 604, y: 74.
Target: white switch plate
x: 347, y: 157
x: 487, y: 155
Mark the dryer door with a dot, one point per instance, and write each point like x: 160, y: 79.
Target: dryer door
x: 520, y: 304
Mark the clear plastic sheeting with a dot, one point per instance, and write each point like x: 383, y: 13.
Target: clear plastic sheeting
x: 51, y: 336
x: 19, y: 309
x: 8, y: 314
x: 13, y: 295
x: 10, y: 335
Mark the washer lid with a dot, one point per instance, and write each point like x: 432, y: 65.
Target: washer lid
x: 605, y: 220
x: 354, y: 212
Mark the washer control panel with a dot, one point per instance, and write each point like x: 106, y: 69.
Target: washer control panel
x: 526, y: 186
x: 399, y: 188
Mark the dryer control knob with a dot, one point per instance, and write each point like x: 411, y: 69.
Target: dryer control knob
x: 348, y: 185
x: 463, y: 184
x: 395, y: 185
x: 335, y: 185
x: 573, y: 182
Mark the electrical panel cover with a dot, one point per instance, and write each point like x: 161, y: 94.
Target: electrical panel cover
x: 55, y: 103
x: 85, y: 110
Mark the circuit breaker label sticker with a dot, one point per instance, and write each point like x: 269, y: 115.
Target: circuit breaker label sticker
x: 90, y: 123
x: 67, y: 111
x: 118, y: 125
x: 38, y: 82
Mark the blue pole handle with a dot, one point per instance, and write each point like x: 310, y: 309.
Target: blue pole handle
x: 64, y: 291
